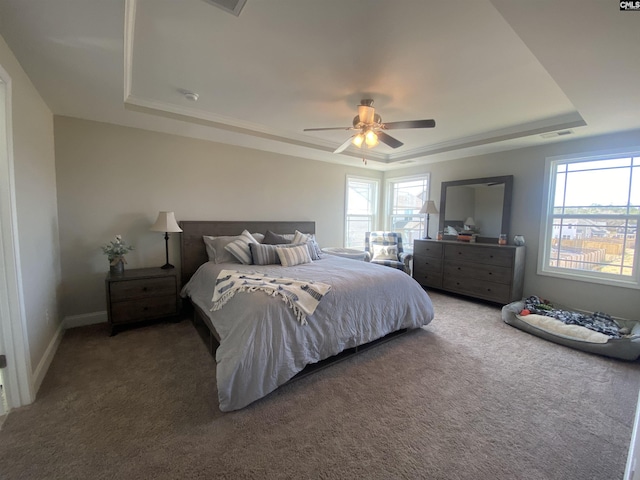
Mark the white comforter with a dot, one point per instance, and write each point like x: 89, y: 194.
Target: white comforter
x: 262, y: 345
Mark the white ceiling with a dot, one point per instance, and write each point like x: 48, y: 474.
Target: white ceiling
x: 495, y: 75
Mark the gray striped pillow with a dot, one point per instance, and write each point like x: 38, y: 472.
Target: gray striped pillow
x: 264, y: 254
x: 239, y: 248
x: 294, y: 255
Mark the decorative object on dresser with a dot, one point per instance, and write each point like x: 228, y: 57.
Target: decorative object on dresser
x: 115, y: 252
x: 428, y: 208
x: 166, y: 223
x: 487, y: 271
x: 141, y: 294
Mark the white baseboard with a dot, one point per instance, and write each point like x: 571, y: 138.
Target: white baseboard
x: 47, y: 358
x: 68, y: 322
x: 85, y: 319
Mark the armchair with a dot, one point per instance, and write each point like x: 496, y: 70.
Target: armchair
x: 385, y: 248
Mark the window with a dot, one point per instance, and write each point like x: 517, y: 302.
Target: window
x: 590, y: 222
x: 361, y: 210
x: 405, y: 199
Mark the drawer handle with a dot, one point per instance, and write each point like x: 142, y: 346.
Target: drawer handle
x: 459, y: 268
x: 144, y: 289
x: 145, y: 309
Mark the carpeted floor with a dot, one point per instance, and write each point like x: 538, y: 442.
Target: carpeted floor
x: 466, y: 397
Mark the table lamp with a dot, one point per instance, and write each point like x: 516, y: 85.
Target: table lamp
x: 166, y: 223
x: 429, y: 207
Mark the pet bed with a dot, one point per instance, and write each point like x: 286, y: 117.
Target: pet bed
x: 605, y: 336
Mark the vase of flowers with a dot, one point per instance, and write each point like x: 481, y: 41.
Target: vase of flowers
x: 115, y: 251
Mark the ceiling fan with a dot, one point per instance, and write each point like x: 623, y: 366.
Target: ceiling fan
x: 370, y: 127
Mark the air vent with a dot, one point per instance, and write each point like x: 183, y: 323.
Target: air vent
x: 230, y: 6
x: 561, y: 133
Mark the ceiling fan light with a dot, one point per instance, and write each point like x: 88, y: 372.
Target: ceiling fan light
x: 357, y: 140
x: 371, y: 138
x: 366, y: 114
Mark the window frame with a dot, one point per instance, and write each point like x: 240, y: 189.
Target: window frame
x: 388, y: 214
x: 374, y: 216
x: 548, y: 216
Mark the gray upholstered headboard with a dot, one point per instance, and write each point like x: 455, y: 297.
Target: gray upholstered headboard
x: 193, y: 251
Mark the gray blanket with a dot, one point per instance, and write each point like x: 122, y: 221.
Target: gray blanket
x: 262, y: 345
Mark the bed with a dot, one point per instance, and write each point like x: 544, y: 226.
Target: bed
x: 258, y: 341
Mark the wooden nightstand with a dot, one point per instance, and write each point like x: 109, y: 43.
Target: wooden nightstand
x: 141, y: 294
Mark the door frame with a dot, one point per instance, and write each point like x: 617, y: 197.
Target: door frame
x: 17, y: 375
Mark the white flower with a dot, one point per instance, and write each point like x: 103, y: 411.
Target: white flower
x: 118, y: 238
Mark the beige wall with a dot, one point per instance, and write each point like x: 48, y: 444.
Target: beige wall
x: 114, y: 180
x: 527, y: 167
x: 37, y: 218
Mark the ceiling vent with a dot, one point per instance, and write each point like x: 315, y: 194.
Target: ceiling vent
x: 561, y: 133
x: 230, y: 6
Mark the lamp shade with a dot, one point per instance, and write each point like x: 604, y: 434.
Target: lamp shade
x: 470, y: 222
x: 166, y: 222
x: 429, y: 207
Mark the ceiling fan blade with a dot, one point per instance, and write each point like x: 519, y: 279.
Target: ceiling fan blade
x: 329, y: 128
x: 410, y: 124
x: 344, y: 146
x: 389, y: 140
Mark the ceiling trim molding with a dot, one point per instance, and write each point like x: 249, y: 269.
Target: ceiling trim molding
x: 560, y: 122
x: 202, y: 118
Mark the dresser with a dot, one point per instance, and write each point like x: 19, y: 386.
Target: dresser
x: 487, y: 271
x: 141, y: 294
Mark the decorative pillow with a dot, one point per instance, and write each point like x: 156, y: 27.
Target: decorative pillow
x: 239, y: 248
x: 271, y: 238
x: 294, y: 255
x: 258, y: 236
x: 264, y: 254
x: 216, y: 248
x: 385, y: 252
x: 310, y: 240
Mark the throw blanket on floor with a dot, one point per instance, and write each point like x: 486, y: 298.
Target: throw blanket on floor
x: 598, y: 321
x: 301, y: 296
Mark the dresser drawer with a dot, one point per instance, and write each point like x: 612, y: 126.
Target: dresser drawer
x: 147, y: 287
x: 143, y: 308
x: 427, y: 249
x: 476, y: 254
x: 487, y: 273
x: 428, y: 278
x: 495, y: 292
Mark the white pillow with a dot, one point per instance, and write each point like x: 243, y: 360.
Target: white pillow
x: 294, y: 255
x: 239, y: 248
x: 385, y: 252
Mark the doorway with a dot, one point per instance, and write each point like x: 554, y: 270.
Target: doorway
x: 15, y: 378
